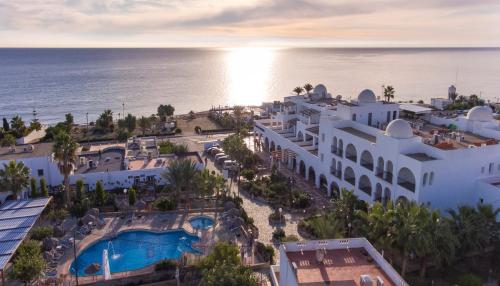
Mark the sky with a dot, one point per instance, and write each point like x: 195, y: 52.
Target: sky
x: 228, y: 23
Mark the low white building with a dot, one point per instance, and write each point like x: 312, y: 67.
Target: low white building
x: 352, y: 261
x: 362, y: 145
x: 138, y: 162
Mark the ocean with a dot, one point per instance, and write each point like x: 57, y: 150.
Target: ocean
x: 81, y: 81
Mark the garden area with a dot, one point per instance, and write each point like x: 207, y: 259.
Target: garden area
x: 423, y: 244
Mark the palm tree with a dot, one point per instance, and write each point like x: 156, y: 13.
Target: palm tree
x: 308, y: 87
x: 389, y: 92
x: 14, y: 177
x: 17, y: 126
x: 405, y: 231
x: 179, y: 175
x: 144, y: 124
x: 64, y: 150
x: 238, y: 114
x: 298, y: 90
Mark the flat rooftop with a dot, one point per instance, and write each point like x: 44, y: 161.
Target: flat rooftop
x: 359, y: 134
x: 163, y: 161
x: 467, y: 138
x: 340, y: 267
x: 26, y: 151
x: 106, y: 161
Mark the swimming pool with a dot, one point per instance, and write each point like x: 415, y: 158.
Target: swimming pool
x: 132, y: 250
x: 201, y: 222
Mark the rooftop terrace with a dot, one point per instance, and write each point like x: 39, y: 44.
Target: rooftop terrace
x: 359, y: 134
x: 26, y: 151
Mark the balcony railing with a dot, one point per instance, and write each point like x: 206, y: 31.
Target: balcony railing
x: 350, y: 180
x: 351, y: 157
x: 410, y: 186
x: 367, y: 164
x: 366, y: 189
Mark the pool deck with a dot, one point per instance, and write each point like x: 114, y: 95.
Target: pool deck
x: 150, y: 221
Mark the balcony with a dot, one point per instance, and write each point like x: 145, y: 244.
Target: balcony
x: 410, y: 186
x: 379, y: 173
x: 351, y: 157
x: 350, y: 180
x: 367, y: 164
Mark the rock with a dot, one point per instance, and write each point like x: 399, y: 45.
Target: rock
x: 59, y: 231
x: 50, y: 243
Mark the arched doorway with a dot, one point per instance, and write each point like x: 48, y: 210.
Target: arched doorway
x: 323, y: 184
x: 312, y: 175
x: 406, y: 179
x: 379, y: 171
x: 351, y: 153
x: 302, y: 169
x: 300, y: 136
x: 334, y: 190
x: 367, y: 160
x: 378, y: 193
x: 349, y: 176
x: 388, y: 171
x: 365, y: 185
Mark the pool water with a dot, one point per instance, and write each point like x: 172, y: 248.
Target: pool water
x: 134, y: 250
x: 201, y: 222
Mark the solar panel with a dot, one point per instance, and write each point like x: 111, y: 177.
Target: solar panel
x: 17, y: 222
x: 8, y: 247
x: 17, y: 213
x: 13, y: 234
x: 4, y: 259
x: 41, y: 202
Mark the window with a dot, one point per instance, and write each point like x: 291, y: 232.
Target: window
x: 394, y: 115
x: 388, y: 116
x: 431, y: 178
x: 490, y: 168
x: 424, y: 181
x: 40, y: 172
x: 354, y: 117
x: 370, y: 119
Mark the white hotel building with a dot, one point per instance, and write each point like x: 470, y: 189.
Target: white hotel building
x: 362, y: 145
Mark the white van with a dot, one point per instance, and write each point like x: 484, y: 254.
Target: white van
x: 230, y: 165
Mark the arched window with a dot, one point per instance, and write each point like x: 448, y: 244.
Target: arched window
x: 349, y: 176
x: 351, y: 153
x: 367, y: 160
x: 431, y: 178
x: 365, y: 185
x: 406, y: 179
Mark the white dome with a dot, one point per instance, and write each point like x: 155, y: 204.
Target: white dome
x: 367, y: 96
x: 320, y: 89
x: 399, y: 129
x: 480, y: 113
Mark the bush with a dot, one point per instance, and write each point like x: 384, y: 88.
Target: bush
x: 41, y: 232
x: 279, y: 234
x: 167, y: 147
x: 166, y: 204
x: 300, y: 200
x: 166, y: 265
x: 122, y: 135
x: 290, y: 238
x: 469, y: 279
x: 248, y: 174
x: 56, y: 214
x: 265, y: 251
x: 248, y: 220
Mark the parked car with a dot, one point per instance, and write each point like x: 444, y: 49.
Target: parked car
x: 230, y: 165
x: 217, y: 156
x: 221, y: 159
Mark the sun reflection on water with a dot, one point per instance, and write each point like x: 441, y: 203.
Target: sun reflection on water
x: 249, y: 75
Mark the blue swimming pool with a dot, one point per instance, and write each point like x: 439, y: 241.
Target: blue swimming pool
x: 134, y: 250
x: 201, y: 222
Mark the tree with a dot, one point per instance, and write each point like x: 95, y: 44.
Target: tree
x: 64, y: 149
x: 69, y: 120
x: 144, y: 124
x: 8, y: 140
x: 28, y: 262
x: 43, y: 188
x: 35, y: 125
x: 105, y: 121
x: 389, y: 92
x: 298, y: 90
x: 34, y: 188
x: 165, y: 110
x: 6, y: 126
x: 80, y: 193
x: 238, y: 114
x: 14, y: 177
x: 179, y: 175
x: 100, y: 194
x: 453, y: 96
x: 17, y: 126
x: 130, y: 122
x: 308, y: 87
x: 132, y: 197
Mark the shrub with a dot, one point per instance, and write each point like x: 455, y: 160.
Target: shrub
x: 248, y: 174
x: 166, y: 265
x: 469, y: 279
x: 290, y: 238
x: 122, y: 135
x: 265, y: 251
x: 41, y: 232
x: 43, y: 188
x: 248, y: 220
x: 279, y: 234
x: 166, y: 204
x: 56, y: 214
x: 300, y: 200
x: 167, y: 147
